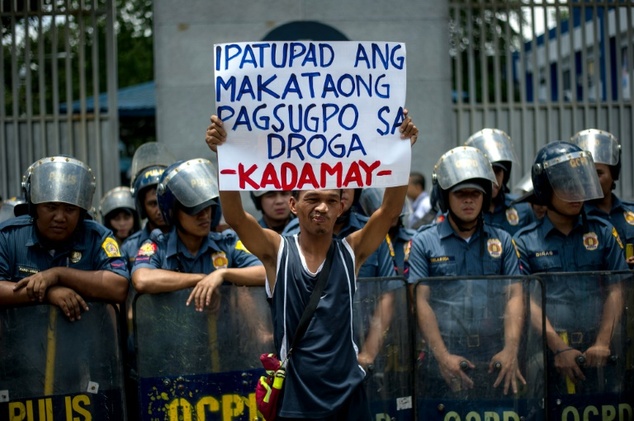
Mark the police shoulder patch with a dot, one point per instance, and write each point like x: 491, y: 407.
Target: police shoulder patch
x: 111, y: 247
x: 147, y: 249
x: 240, y: 246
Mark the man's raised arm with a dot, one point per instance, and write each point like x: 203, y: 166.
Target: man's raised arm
x: 262, y: 242
x: 366, y: 240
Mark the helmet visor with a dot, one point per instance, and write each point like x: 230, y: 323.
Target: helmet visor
x: 461, y: 164
x: 573, y: 177
x: 603, y: 146
x: 495, y: 144
x: 151, y: 154
x: 193, y: 183
x: 63, y: 180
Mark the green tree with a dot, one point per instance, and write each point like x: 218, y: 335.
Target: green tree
x: 480, y: 35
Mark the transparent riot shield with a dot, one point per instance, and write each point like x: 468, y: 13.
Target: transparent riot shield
x: 383, y: 334
x: 589, y: 332
x: 51, y: 368
x: 474, y: 342
x: 200, y: 365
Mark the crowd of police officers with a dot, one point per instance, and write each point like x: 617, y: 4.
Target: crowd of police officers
x: 164, y: 233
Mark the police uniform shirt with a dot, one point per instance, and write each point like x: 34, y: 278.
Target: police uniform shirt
x: 438, y: 251
x: 465, y: 307
x: 595, y: 247
x: 621, y: 216
x: 543, y: 248
x: 510, y: 217
x: 323, y: 369
x: 218, y: 251
x: 92, y: 247
x: 400, y: 248
x: 131, y: 245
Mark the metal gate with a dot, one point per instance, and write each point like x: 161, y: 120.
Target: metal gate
x: 542, y: 70
x: 56, y: 53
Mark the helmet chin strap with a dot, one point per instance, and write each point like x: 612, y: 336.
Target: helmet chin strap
x: 462, y: 224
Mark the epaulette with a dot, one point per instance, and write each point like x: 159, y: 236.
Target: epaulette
x: 157, y: 235
x: 426, y: 227
x: 19, y: 221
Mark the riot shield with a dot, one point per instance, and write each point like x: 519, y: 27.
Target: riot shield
x: 200, y: 365
x: 383, y: 334
x: 51, y: 368
x: 590, y: 331
x: 473, y: 341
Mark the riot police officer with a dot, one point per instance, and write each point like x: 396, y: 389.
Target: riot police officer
x: 54, y: 254
x: 463, y: 244
x: 606, y: 153
x: 148, y: 163
x: 497, y: 146
x: 11, y: 208
x: 191, y: 254
x: 119, y: 214
x: 568, y: 240
x: 275, y: 208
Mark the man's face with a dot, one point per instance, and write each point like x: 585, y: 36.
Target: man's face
x: 275, y: 205
x: 605, y: 179
x: 566, y: 208
x: 347, y: 197
x: 57, y: 221
x: 197, y: 225
x: 122, y: 224
x: 466, y: 203
x: 152, y: 210
x: 413, y: 190
x: 318, y: 210
x: 499, y: 177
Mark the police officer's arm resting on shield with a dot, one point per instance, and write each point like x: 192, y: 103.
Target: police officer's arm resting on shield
x: 54, y: 254
x: 264, y: 243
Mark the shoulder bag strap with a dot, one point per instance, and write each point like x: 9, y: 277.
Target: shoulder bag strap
x: 315, y: 296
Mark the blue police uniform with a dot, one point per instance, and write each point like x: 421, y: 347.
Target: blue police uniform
x: 510, y: 216
x: 574, y: 304
x: 322, y: 373
x: 437, y: 251
x: 131, y: 245
x: 218, y: 250
x: 470, y: 313
x: 91, y: 247
x: 621, y: 216
x: 594, y: 246
x: 400, y: 247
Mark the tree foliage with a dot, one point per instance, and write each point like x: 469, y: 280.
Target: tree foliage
x: 483, y: 35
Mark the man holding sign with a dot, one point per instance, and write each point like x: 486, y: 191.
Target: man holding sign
x: 314, y: 118
x: 323, y: 377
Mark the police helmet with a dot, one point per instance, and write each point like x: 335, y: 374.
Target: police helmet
x: 148, y: 163
x: 13, y: 207
x: 371, y: 198
x: 460, y: 165
x: 61, y: 179
x: 192, y: 185
x: 566, y: 170
x: 148, y: 178
x: 150, y: 154
x: 256, y: 197
x: 604, y: 146
x: 497, y: 146
x: 116, y: 199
